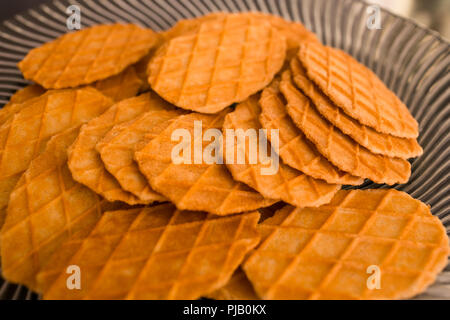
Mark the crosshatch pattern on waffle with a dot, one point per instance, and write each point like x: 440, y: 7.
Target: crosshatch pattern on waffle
x: 323, y: 253
x: 225, y: 61
x: 154, y: 253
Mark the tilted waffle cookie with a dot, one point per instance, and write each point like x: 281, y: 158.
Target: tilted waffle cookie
x: 295, y: 149
x: 46, y: 207
x: 122, y: 86
x: 357, y: 90
x: 16, y: 103
x: 237, y: 288
x: 226, y: 60
x: 118, y: 146
x: 337, y: 147
x: 365, y: 244
x: 195, y: 183
x: 25, y: 135
x: 280, y: 182
x: 86, y: 56
x: 153, y: 253
x: 374, y: 141
x: 85, y: 162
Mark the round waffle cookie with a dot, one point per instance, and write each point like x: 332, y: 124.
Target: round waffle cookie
x: 374, y: 141
x: 224, y: 61
x: 280, y: 182
x: 86, y: 56
x: 156, y: 252
x: 294, y: 148
x: 195, y: 183
x: 365, y: 244
x: 337, y: 147
x: 357, y: 90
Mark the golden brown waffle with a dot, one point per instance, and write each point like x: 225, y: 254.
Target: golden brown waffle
x: 15, y: 104
x: 237, y: 288
x: 153, y: 253
x: 325, y: 252
x: 284, y: 183
x: 201, y: 186
x: 122, y: 86
x: 86, y: 56
x: 118, y: 146
x: 357, y: 90
x: 295, y: 149
x: 46, y: 207
x: 84, y: 160
x: 225, y: 61
x: 374, y: 141
x: 337, y: 147
x: 25, y: 135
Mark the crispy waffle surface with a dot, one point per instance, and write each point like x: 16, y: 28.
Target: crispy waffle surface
x: 153, y: 253
x: 281, y: 182
x: 330, y: 252
x: 224, y: 61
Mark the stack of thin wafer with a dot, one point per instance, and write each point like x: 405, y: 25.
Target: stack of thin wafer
x: 88, y: 178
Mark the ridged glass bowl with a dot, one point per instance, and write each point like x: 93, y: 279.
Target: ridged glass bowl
x: 414, y: 62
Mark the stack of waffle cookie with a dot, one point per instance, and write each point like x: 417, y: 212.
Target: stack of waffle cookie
x: 94, y: 205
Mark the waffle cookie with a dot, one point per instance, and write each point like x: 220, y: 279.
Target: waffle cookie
x: 118, y: 146
x: 237, y: 288
x: 85, y: 162
x: 369, y: 138
x: 226, y: 60
x: 195, y: 186
x: 121, y: 86
x: 86, y: 56
x: 46, y: 207
x: 294, y: 148
x: 25, y: 134
x: 357, y: 90
x: 329, y: 252
x: 153, y: 253
x: 280, y: 182
x: 337, y: 147
x: 16, y: 102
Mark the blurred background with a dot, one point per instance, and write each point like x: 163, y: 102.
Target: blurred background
x: 434, y: 14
